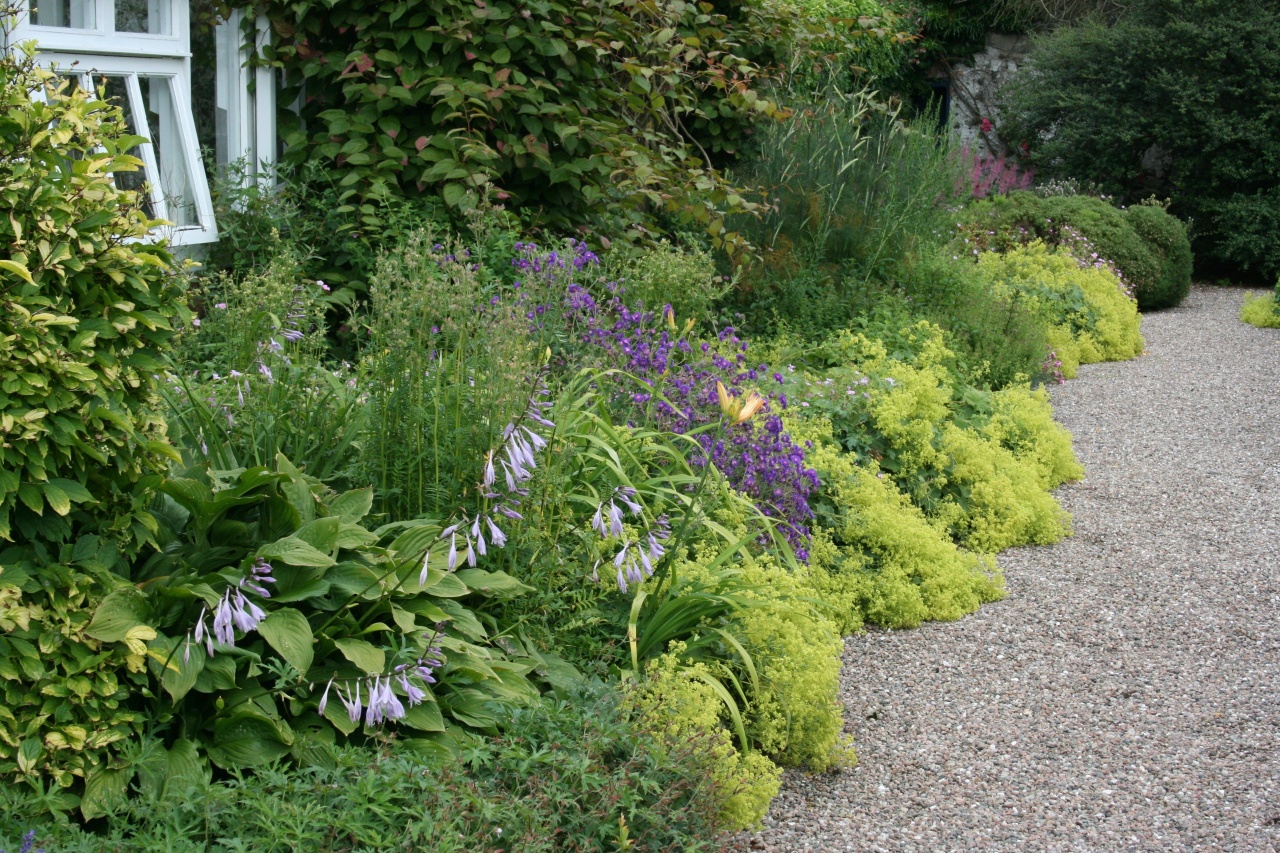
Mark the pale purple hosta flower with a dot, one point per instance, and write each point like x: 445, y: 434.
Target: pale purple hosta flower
x: 412, y: 693
x: 292, y: 335
x: 627, y: 495
x: 266, y: 371
x: 244, y: 612
x: 452, y: 560
x: 383, y: 704
x: 615, y: 519
x: 324, y: 700
x: 259, y: 573
x: 509, y: 512
x: 478, y: 534
x: 275, y: 346
x: 353, y: 705
x: 496, y: 536
x: 489, y: 475
x: 426, y: 564
x: 535, y: 440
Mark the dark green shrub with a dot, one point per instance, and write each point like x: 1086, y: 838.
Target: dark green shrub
x: 1167, y: 238
x: 1176, y: 98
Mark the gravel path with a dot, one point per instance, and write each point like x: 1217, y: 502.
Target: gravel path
x: 1126, y: 694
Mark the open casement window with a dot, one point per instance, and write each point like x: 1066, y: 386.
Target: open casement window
x: 137, y: 53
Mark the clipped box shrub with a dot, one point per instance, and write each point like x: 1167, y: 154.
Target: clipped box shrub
x: 1150, y: 249
x: 1166, y: 236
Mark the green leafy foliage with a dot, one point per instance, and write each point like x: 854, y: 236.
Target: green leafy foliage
x: 71, y: 687
x: 678, y: 701
x: 632, y: 787
x: 1262, y: 311
x: 87, y: 308
x: 592, y: 113
x: 1166, y: 236
x: 917, y: 422
x: 342, y: 609
x: 254, y: 380
x: 1175, y: 98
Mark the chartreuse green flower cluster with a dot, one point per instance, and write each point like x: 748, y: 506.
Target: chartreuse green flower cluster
x: 1084, y: 308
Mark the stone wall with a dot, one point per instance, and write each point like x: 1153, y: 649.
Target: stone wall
x: 974, y: 87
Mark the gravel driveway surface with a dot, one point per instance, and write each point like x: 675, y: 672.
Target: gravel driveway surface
x: 1126, y: 694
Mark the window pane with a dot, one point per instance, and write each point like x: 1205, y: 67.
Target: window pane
x: 115, y: 88
x: 63, y: 13
x: 171, y: 154
x: 143, y: 16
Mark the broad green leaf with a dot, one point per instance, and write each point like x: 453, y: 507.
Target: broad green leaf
x: 295, y: 552
x: 75, y: 492
x: 104, y: 790
x: 354, y: 579
x: 29, y: 752
x: 246, y: 740
x: 463, y: 619
x: 353, y: 505
x: 432, y: 751
x: 288, y: 632
x: 119, y: 612
x: 301, y: 590
x: 184, y: 665
x: 17, y: 269
x: 365, y: 655
x: 472, y: 708
x: 425, y: 717
x: 353, y: 536
x: 57, y: 499
x: 184, y: 768
x: 425, y: 608
x: 321, y: 534
x: 444, y: 584
x: 495, y: 584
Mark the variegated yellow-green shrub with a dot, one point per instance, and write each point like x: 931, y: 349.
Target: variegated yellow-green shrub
x: 1088, y: 315
x: 87, y: 308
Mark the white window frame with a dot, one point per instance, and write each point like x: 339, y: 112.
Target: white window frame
x: 251, y: 118
x: 130, y: 55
